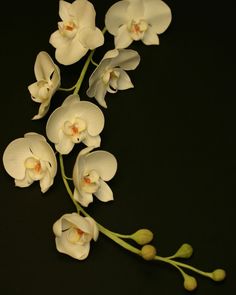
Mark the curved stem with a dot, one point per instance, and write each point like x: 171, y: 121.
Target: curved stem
x: 83, y: 72
x: 67, y: 89
x: 180, y: 264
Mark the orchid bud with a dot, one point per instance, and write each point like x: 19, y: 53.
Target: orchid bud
x: 190, y: 283
x: 185, y: 251
x: 148, y: 252
x: 218, y: 275
x: 142, y: 236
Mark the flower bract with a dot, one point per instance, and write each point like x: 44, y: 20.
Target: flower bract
x: 29, y: 159
x: 110, y: 75
x: 132, y: 20
x: 91, y: 171
x: 74, y: 234
x: 76, y: 32
x: 75, y: 121
x: 48, y: 81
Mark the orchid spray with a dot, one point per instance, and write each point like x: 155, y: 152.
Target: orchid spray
x: 31, y: 158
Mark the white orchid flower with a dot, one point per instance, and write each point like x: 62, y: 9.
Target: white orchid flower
x: 74, y: 234
x: 48, y: 81
x: 76, y: 32
x: 90, y: 172
x: 133, y: 20
x: 110, y: 75
x: 29, y: 159
x: 75, y: 121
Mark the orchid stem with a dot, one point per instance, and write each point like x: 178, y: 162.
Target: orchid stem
x: 83, y: 72
x: 67, y: 89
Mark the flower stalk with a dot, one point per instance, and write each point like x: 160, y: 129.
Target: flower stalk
x: 189, y: 282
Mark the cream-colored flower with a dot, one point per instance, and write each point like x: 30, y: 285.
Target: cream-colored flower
x: 48, y: 81
x: 77, y: 32
x: 132, y: 20
x: 29, y: 159
x: 110, y: 75
x: 74, y: 234
x: 75, y: 121
x: 90, y: 172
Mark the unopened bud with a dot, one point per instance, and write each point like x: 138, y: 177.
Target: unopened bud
x: 190, y: 283
x: 142, y: 236
x: 148, y: 252
x: 185, y: 251
x: 218, y: 275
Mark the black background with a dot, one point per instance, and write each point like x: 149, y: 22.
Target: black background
x: 175, y: 141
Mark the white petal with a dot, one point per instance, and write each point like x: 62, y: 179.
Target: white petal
x: 14, y: 158
x: 77, y: 220
x: 43, y: 109
x: 76, y: 251
x: 92, y: 115
x: 44, y: 66
x: 94, y: 141
x: 42, y: 150
x: 65, y: 144
x: 127, y: 59
x: 68, y: 52
x: 124, y: 81
x: 25, y: 182
x: 65, y: 10
x: 34, y: 89
x: 158, y: 14
x: 57, y: 228
x: 110, y: 54
x: 91, y: 38
x: 136, y: 9
x: 84, y: 13
x: 104, y: 193
x: 150, y: 37
x: 101, y: 90
x: 82, y: 197
x: 104, y: 163
x: 116, y: 16
x: 57, y: 40
x: 71, y: 99
x: 123, y: 38
x: 94, y: 228
x: 46, y: 182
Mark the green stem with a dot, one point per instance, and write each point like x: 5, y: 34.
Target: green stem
x: 118, y: 237
x: 67, y: 89
x: 83, y: 72
x: 180, y: 264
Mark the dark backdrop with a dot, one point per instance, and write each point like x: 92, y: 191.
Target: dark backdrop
x: 174, y: 138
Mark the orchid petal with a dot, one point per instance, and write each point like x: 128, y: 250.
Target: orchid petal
x: 94, y: 141
x: 127, y: 59
x: 104, y: 163
x: 124, y: 81
x: 158, y: 15
x: 116, y: 16
x: 44, y: 66
x: 104, y: 193
x: 91, y: 38
x: 123, y: 38
x: 82, y: 197
x: 76, y: 251
x: 150, y: 37
x: 14, y: 158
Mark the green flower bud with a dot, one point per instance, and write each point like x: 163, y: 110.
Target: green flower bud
x: 185, y: 251
x: 148, y: 252
x: 190, y: 283
x: 218, y: 275
x: 142, y: 236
